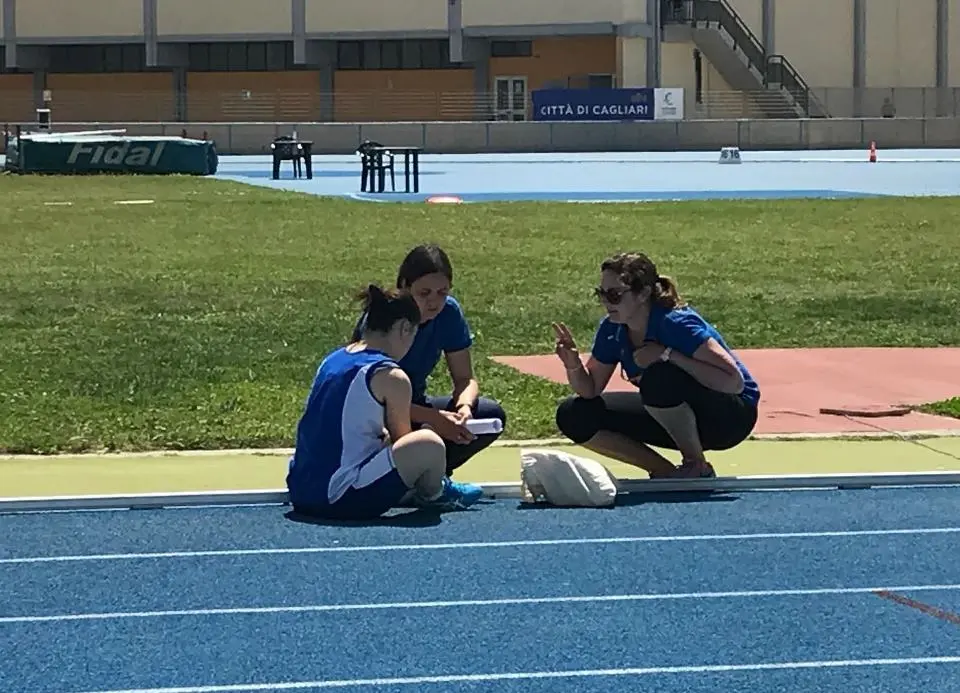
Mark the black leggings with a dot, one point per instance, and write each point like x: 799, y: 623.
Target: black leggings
x: 484, y: 408
x: 723, y: 420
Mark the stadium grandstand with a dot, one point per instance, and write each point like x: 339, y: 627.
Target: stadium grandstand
x: 461, y: 60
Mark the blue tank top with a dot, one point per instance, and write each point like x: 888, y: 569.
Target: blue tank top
x: 341, y: 426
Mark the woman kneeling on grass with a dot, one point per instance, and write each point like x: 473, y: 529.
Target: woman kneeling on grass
x: 356, y: 454
x: 426, y: 275
x: 693, y: 393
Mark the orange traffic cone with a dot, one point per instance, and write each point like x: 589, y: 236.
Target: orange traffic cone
x: 873, y: 152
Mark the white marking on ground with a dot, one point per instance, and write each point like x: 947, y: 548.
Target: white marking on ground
x: 455, y: 604
x: 216, y: 553
x: 532, y: 675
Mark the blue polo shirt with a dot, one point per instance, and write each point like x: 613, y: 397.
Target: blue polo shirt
x: 447, y: 332
x: 682, y: 329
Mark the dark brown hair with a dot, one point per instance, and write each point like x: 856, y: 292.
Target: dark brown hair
x: 384, y: 308
x: 638, y: 271
x: 421, y: 261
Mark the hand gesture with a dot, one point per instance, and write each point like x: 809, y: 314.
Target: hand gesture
x: 566, y: 348
x: 449, y: 427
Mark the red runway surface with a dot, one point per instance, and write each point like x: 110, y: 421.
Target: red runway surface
x: 797, y: 383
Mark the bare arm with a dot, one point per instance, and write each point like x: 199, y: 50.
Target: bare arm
x: 712, y: 366
x: 391, y: 386
x: 590, y: 381
x: 423, y: 415
x: 465, y: 387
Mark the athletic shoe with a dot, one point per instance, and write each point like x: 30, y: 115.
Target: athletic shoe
x: 455, y: 495
x: 695, y: 470
x: 688, y: 470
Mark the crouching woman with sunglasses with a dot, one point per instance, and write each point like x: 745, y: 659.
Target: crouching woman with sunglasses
x: 693, y: 394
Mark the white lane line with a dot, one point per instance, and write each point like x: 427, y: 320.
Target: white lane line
x: 478, y: 545
x: 532, y: 675
x: 514, y: 601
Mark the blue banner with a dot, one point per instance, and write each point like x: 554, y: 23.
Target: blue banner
x: 593, y: 104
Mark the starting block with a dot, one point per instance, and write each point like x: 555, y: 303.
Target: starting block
x: 730, y: 155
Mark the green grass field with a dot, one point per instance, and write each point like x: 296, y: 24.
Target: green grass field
x: 198, y: 321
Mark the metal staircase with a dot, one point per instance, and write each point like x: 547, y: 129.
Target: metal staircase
x: 726, y: 41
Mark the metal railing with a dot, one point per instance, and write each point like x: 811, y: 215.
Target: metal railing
x: 775, y: 70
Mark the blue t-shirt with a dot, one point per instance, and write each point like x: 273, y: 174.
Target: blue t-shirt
x: 682, y: 329
x: 447, y: 332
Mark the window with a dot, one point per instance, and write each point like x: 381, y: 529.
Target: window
x: 257, y: 57
x: 371, y: 55
x: 124, y: 58
x: 240, y: 56
x: 198, y: 56
x: 391, y: 55
x: 600, y: 82
x: 97, y: 58
x: 431, y: 57
x: 349, y: 55
x: 219, y: 57
x: 411, y: 55
x: 511, y: 49
x: 408, y: 54
x: 280, y: 56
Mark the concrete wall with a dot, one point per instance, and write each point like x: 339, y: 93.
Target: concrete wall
x: 57, y: 19
x: 902, y: 43
x: 363, y: 16
x: 816, y: 36
x: 953, y: 28
x: 92, y: 19
x: 513, y: 12
x: 177, y: 18
x: 751, y: 12
x: 457, y: 138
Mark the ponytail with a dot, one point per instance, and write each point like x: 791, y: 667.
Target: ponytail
x: 373, y: 297
x: 665, y: 293
x: 385, y: 307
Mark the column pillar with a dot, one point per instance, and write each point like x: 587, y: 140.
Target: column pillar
x: 653, y: 44
x: 9, y: 20
x: 769, y: 26
x: 298, y: 14
x: 859, y: 55
x: 150, y: 32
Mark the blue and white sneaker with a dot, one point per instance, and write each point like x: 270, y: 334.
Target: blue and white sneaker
x: 455, y: 496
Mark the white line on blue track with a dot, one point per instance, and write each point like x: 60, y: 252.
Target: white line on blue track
x: 480, y: 545
x: 532, y: 675
x: 514, y: 601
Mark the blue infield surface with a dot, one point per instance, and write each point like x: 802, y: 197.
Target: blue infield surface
x: 757, y: 591
x: 627, y: 176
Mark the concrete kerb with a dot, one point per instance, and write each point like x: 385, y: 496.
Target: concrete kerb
x: 524, y: 443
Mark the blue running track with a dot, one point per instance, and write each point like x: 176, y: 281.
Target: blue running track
x: 854, y: 591
x: 628, y: 176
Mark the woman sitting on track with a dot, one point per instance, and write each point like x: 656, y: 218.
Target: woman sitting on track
x: 693, y: 393
x: 356, y: 455
x: 426, y: 274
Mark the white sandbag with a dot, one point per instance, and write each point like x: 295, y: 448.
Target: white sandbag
x: 559, y: 478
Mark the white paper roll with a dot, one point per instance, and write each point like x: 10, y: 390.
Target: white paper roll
x: 482, y: 426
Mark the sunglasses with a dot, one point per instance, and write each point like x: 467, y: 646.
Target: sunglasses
x: 611, y: 296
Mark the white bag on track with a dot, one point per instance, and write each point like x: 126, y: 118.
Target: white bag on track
x: 559, y: 478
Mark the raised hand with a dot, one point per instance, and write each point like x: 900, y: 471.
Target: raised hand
x: 566, y: 347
